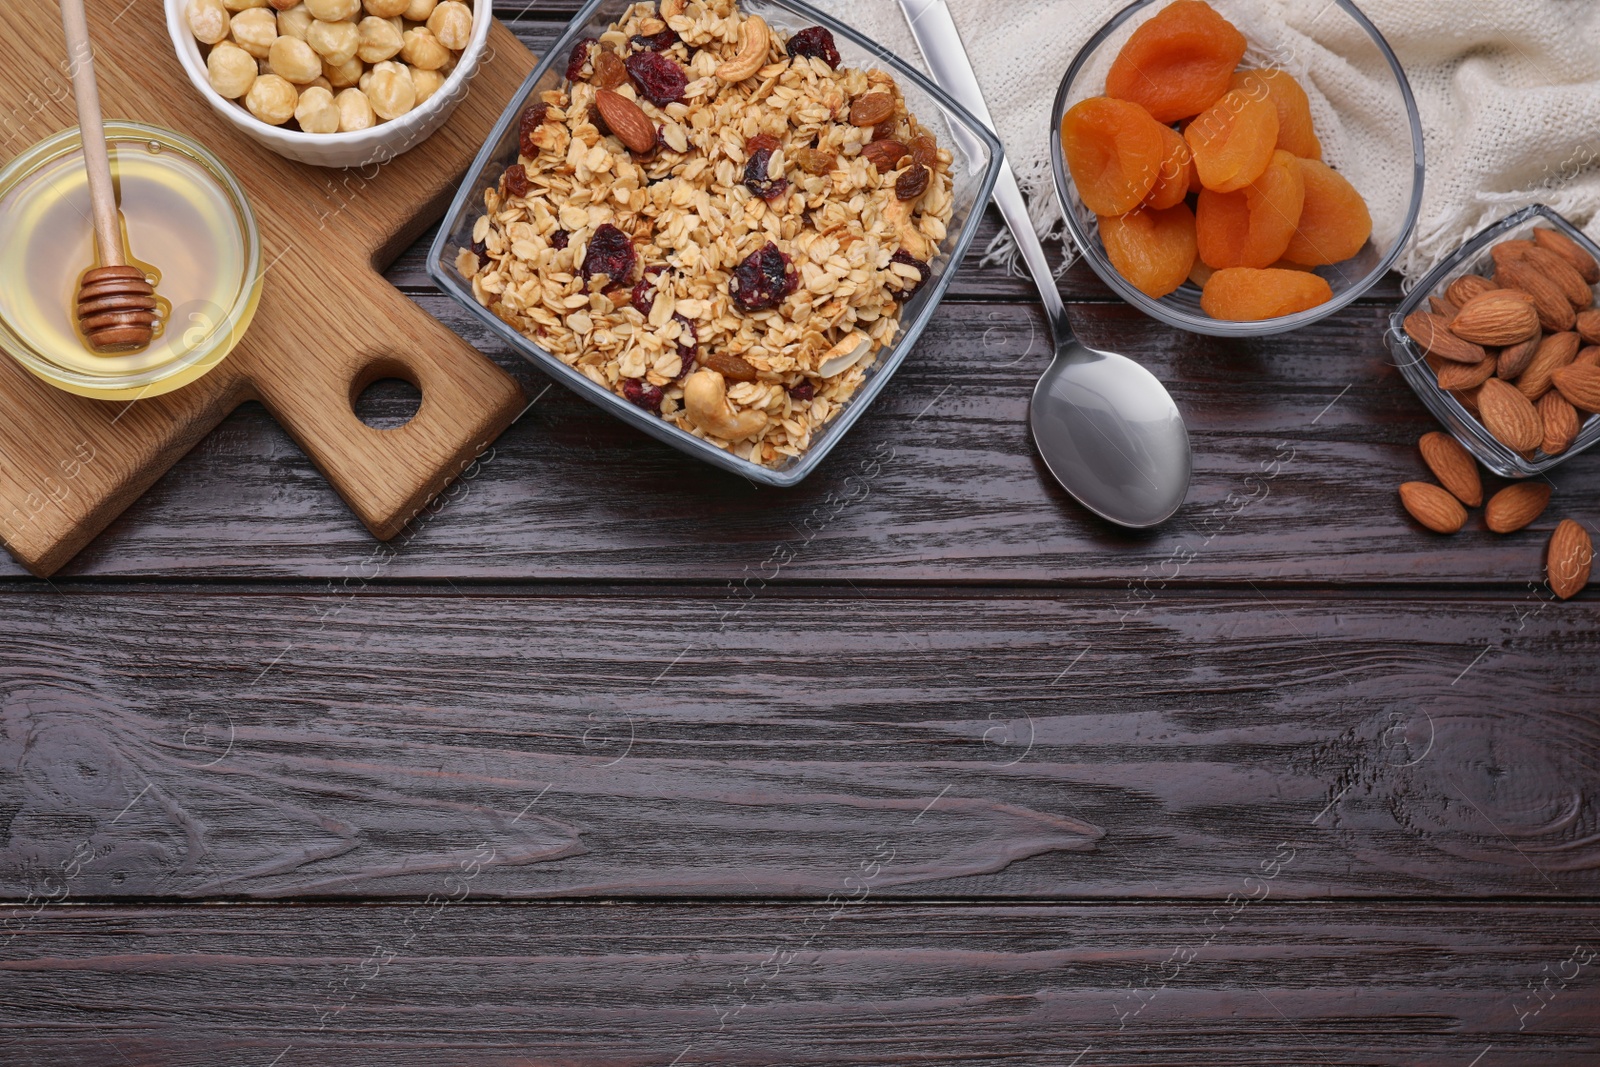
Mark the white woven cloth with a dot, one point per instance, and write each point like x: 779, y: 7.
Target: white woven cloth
x: 1508, y: 90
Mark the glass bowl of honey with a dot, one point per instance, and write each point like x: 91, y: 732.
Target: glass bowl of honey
x: 186, y: 223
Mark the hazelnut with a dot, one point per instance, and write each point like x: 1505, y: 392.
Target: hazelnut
x: 320, y: 82
x: 380, y: 40
x: 355, y: 111
x: 451, y: 22
x: 387, y: 9
x: 333, y: 10
x: 427, y: 82
x: 255, y: 30
x: 282, y: 5
x: 390, y: 91
x: 343, y: 75
x: 208, y: 21
x: 294, y: 22
x: 293, y: 60
x: 272, y: 99
x: 336, y: 42
x: 244, y: 5
x: 316, y: 112
x: 419, y: 10
x: 422, y: 49
x: 231, y: 70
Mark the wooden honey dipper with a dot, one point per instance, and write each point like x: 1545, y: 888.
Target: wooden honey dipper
x: 117, y: 308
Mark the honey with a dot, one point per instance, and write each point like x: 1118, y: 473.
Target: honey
x: 185, y: 223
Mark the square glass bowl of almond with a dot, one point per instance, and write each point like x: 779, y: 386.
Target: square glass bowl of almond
x: 725, y: 223
x: 1502, y: 343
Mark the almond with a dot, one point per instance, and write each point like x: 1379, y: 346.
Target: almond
x: 1555, y: 310
x: 1433, y: 507
x: 1555, y: 352
x: 1569, y: 250
x: 1510, y: 416
x: 1453, y: 376
x: 1469, y: 400
x: 1588, y: 326
x: 1433, y: 335
x: 1454, y: 466
x: 1442, y: 308
x: 1510, y: 251
x: 1561, y: 423
x: 1564, y: 274
x: 1580, y: 385
x: 1514, y: 359
x: 1516, y: 505
x: 1495, y: 319
x: 1466, y: 287
x: 1587, y: 357
x: 1567, y: 563
x: 627, y: 120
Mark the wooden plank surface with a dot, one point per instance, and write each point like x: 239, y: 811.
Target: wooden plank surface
x: 439, y: 984
x: 758, y: 741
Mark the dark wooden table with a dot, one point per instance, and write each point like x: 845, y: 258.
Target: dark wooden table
x: 615, y: 759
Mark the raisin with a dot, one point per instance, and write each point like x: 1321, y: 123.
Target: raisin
x: 734, y: 368
x: 902, y: 256
x: 1244, y: 294
x: 885, y: 155
x: 803, y: 393
x: 911, y: 184
x: 517, y: 183
x: 925, y: 150
x: 688, y: 345
x: 816, y: 43
x: 644, y: 294
x: 761, y: 141
x: 1233, y: 141
x: 560, y: 239
x: 1335, y: 222
x: 885, y: 131
x: 871, y: 109
x: 609, y: 253
x: 757, y: 180
x: 1153, y: 249
x: 1114, y: 151
x: 532, y: 119
x: 763, y: 279
x: 1178, y: 63
x: 609, y: 71
x: 642, y: 395
x: 580, y: 58
x: 813, y: 161
x: 1296, y: 134
x: 660, y: 79
x: 658, y: 42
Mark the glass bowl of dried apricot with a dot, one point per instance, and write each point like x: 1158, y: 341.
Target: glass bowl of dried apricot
x: 1502, y: 342
x: 1238, y: 168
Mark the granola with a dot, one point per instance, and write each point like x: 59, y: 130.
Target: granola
x: 740, y: 275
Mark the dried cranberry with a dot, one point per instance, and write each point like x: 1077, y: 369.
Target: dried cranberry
x: 610, y: 253
x: 580, y: 58
x: 805, y: 392
x: 641, y: 395
x: 517, y: 183
x: 532, y: 119
x: 644, y: 294
x: 560, y: 239
x: 902, y: 256
x: 688, y: 345
x: 816, y: 42
x: 763, y: 279
x: 755, y: 176
x: 660, y: 79
x: 658, y: 42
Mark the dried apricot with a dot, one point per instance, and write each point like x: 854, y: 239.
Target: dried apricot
x: 1244, y: 294
x: 1335, y: 222
x: 1252, y: 227
x: 1172, y: 177
x: 1296, y: 133
x: 1114, y: 150
x: 1179, y: 62
x: 1153, y: 249
x: 1233, y: 141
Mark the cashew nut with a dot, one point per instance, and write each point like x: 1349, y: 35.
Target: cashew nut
x: 705, y: 401
x: 755, y: 39
x: 850, y: 350
x: 898, y: 215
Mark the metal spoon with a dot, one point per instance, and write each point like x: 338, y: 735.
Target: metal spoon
x: 1107, y: 429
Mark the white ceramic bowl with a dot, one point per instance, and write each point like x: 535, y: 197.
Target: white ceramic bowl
x: 377, y: 145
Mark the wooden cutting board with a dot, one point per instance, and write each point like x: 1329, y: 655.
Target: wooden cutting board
x: 328, y: 324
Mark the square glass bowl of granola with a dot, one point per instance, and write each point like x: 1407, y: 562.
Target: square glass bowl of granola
x: 725, y: 222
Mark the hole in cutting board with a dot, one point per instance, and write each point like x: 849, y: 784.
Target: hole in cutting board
x: 384, y: 397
